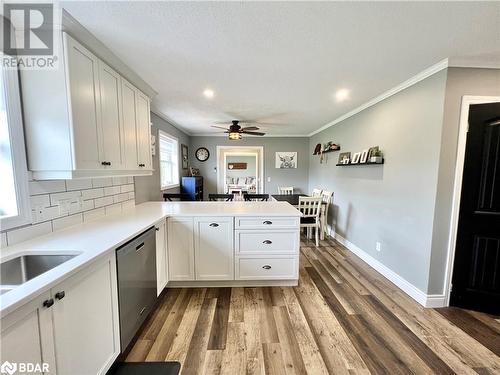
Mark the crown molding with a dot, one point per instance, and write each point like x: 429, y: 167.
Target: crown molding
x: 410, y: 82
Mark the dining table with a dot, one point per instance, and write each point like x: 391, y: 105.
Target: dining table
x: 293, y: 199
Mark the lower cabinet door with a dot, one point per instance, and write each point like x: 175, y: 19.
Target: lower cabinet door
x: 161, y: 257
x: 213, y: 246
x: 180, y: 249
x: 85, y: 318
x: 26, y: 337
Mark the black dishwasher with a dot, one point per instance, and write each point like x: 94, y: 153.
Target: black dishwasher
x: 136, y: 268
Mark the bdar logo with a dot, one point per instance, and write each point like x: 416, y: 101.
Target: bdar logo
x: 8, y: 368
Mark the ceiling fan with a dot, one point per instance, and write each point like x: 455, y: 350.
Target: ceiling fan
x: 235, y: 130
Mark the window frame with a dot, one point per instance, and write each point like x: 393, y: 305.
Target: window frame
x: 164, y: 134
x: 18, y: 149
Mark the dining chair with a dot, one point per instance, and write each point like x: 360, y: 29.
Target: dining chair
x: 220, y: 197
x: 255, y: 197
x: 316, y: 193
x: 310, y: 208
x: 327, y: 198
x: 167, y: 197
x: 285, y: 190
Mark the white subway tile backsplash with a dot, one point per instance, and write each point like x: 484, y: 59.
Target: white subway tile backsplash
x: 120, y: 180
x: 40, y: 201
x: 92, y: 193
x: 112, y: 190
x: 127, y: 188
x: 94, y: 214
x: 44, y: 187
x: 29, y: 232
x: 102, y: 182
x: 113, y: 209
x: 120, y: 198
x: 100, y: 202
x: 73, y: 196
x: 78, y: 184
x: 84, y: 200
x: 67, y: 221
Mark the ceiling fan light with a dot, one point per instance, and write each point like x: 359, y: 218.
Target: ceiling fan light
x: 235, y: 136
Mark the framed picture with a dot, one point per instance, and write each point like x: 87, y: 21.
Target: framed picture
x: 364, y: 157
x: 371, y: 150
x: 184, y: 156
x: 286, y: 160
x: 344, y: 158
x: 355, y: 158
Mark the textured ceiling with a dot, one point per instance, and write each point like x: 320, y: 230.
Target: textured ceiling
x: 282, y: 62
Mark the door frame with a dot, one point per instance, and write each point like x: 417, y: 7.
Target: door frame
x: 259, y: 150
x: 467, y: 101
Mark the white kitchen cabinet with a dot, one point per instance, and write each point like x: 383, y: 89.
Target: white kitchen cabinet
x: 143, y: 132
x: 26, y: 334
x: 74, y: 327
x: 85, y: 126
x: 180, y: 249
x: 111, y: 117
x: 213, y: 247
x: 85, y: 318
x: 161, y: 257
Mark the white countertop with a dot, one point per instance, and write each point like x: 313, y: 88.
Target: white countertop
x: 94, y: 239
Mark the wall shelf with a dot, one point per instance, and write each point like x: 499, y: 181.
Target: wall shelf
x: 327, y: 151
x: 359, y: 164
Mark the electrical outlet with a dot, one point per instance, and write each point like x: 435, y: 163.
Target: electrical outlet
x: 378, y: 247
x: 269, y: 179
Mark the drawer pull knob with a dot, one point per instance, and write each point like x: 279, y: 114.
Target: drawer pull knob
x: 214, y: 225
x: 142, y: 165
x: 47, y: 303
x: 267, y: 222
x: 267, y: 242
x: 267, y: 267
x: 60, y: 295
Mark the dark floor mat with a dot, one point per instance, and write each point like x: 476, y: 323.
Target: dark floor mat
x: 145, y: 368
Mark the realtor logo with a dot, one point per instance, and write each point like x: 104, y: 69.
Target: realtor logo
x: 8, y: 368
x: 30, y: 31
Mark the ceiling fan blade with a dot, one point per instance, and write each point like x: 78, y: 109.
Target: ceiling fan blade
x: 218, y: 127
x: 250, y: 128
x: 252, y: 133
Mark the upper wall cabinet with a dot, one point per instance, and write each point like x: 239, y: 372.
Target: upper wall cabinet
x: 84, y: 120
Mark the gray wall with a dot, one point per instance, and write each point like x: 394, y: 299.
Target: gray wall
x: 288, y: 177
x: 147, y: 188
x: 235, y: 173
x: 392, y: 203
x: 461, y: 81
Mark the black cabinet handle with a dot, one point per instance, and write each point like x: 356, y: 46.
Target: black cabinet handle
x: 142, y: 165
x: 215, y: 225
x: 157, y: 229
x: 139, y: 247
x: 60, y: 295
x: 267, y: 242
x: 48, y: 302
x: 106, y: 163
x: 267, y: 267
x: 267, y: 222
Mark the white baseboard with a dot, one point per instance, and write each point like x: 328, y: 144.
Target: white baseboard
x: 426, y: 300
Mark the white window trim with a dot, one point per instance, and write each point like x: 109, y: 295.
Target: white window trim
x: 18, y: 150
x: 165, y: 134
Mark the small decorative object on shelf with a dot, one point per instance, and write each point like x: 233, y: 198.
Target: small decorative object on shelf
x: 370, y: 156
x: 194, y: 171
x: 376, y: 156
x: 345, y: 158
x: 327, y: 147
x: 364, y: 157
x: 355, y: 158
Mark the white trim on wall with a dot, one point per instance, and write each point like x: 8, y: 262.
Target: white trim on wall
x: 467, y: 100
x: 426, y: 300
x: 409, y: 82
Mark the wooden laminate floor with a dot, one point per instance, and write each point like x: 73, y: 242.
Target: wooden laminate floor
x: 343, y: 318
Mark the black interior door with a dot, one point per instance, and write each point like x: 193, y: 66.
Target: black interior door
x: 476, y: 272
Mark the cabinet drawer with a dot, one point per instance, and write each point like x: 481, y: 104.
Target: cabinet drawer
x: 261, y: 268
x: 276, y: 241
x: 266, y: 222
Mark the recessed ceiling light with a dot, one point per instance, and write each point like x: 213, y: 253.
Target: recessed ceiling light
x: 208, y: 93
x: 341, y: 95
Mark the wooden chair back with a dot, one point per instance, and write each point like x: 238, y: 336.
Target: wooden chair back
x: 255, y: 197
x: 316, y: 193
x: 220, y: 197
x: 285, y: 190
x: 310, y: 206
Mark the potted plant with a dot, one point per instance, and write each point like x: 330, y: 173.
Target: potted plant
x: 376, y: 157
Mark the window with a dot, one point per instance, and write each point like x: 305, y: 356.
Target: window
x: 169, y: 161
x: 14, y: 203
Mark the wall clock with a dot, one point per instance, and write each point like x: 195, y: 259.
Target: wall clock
x: 202, y: 154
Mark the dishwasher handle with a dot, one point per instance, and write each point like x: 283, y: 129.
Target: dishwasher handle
x: 139, y: 247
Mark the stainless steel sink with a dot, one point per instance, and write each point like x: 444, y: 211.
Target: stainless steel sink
x: 23, y: 268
